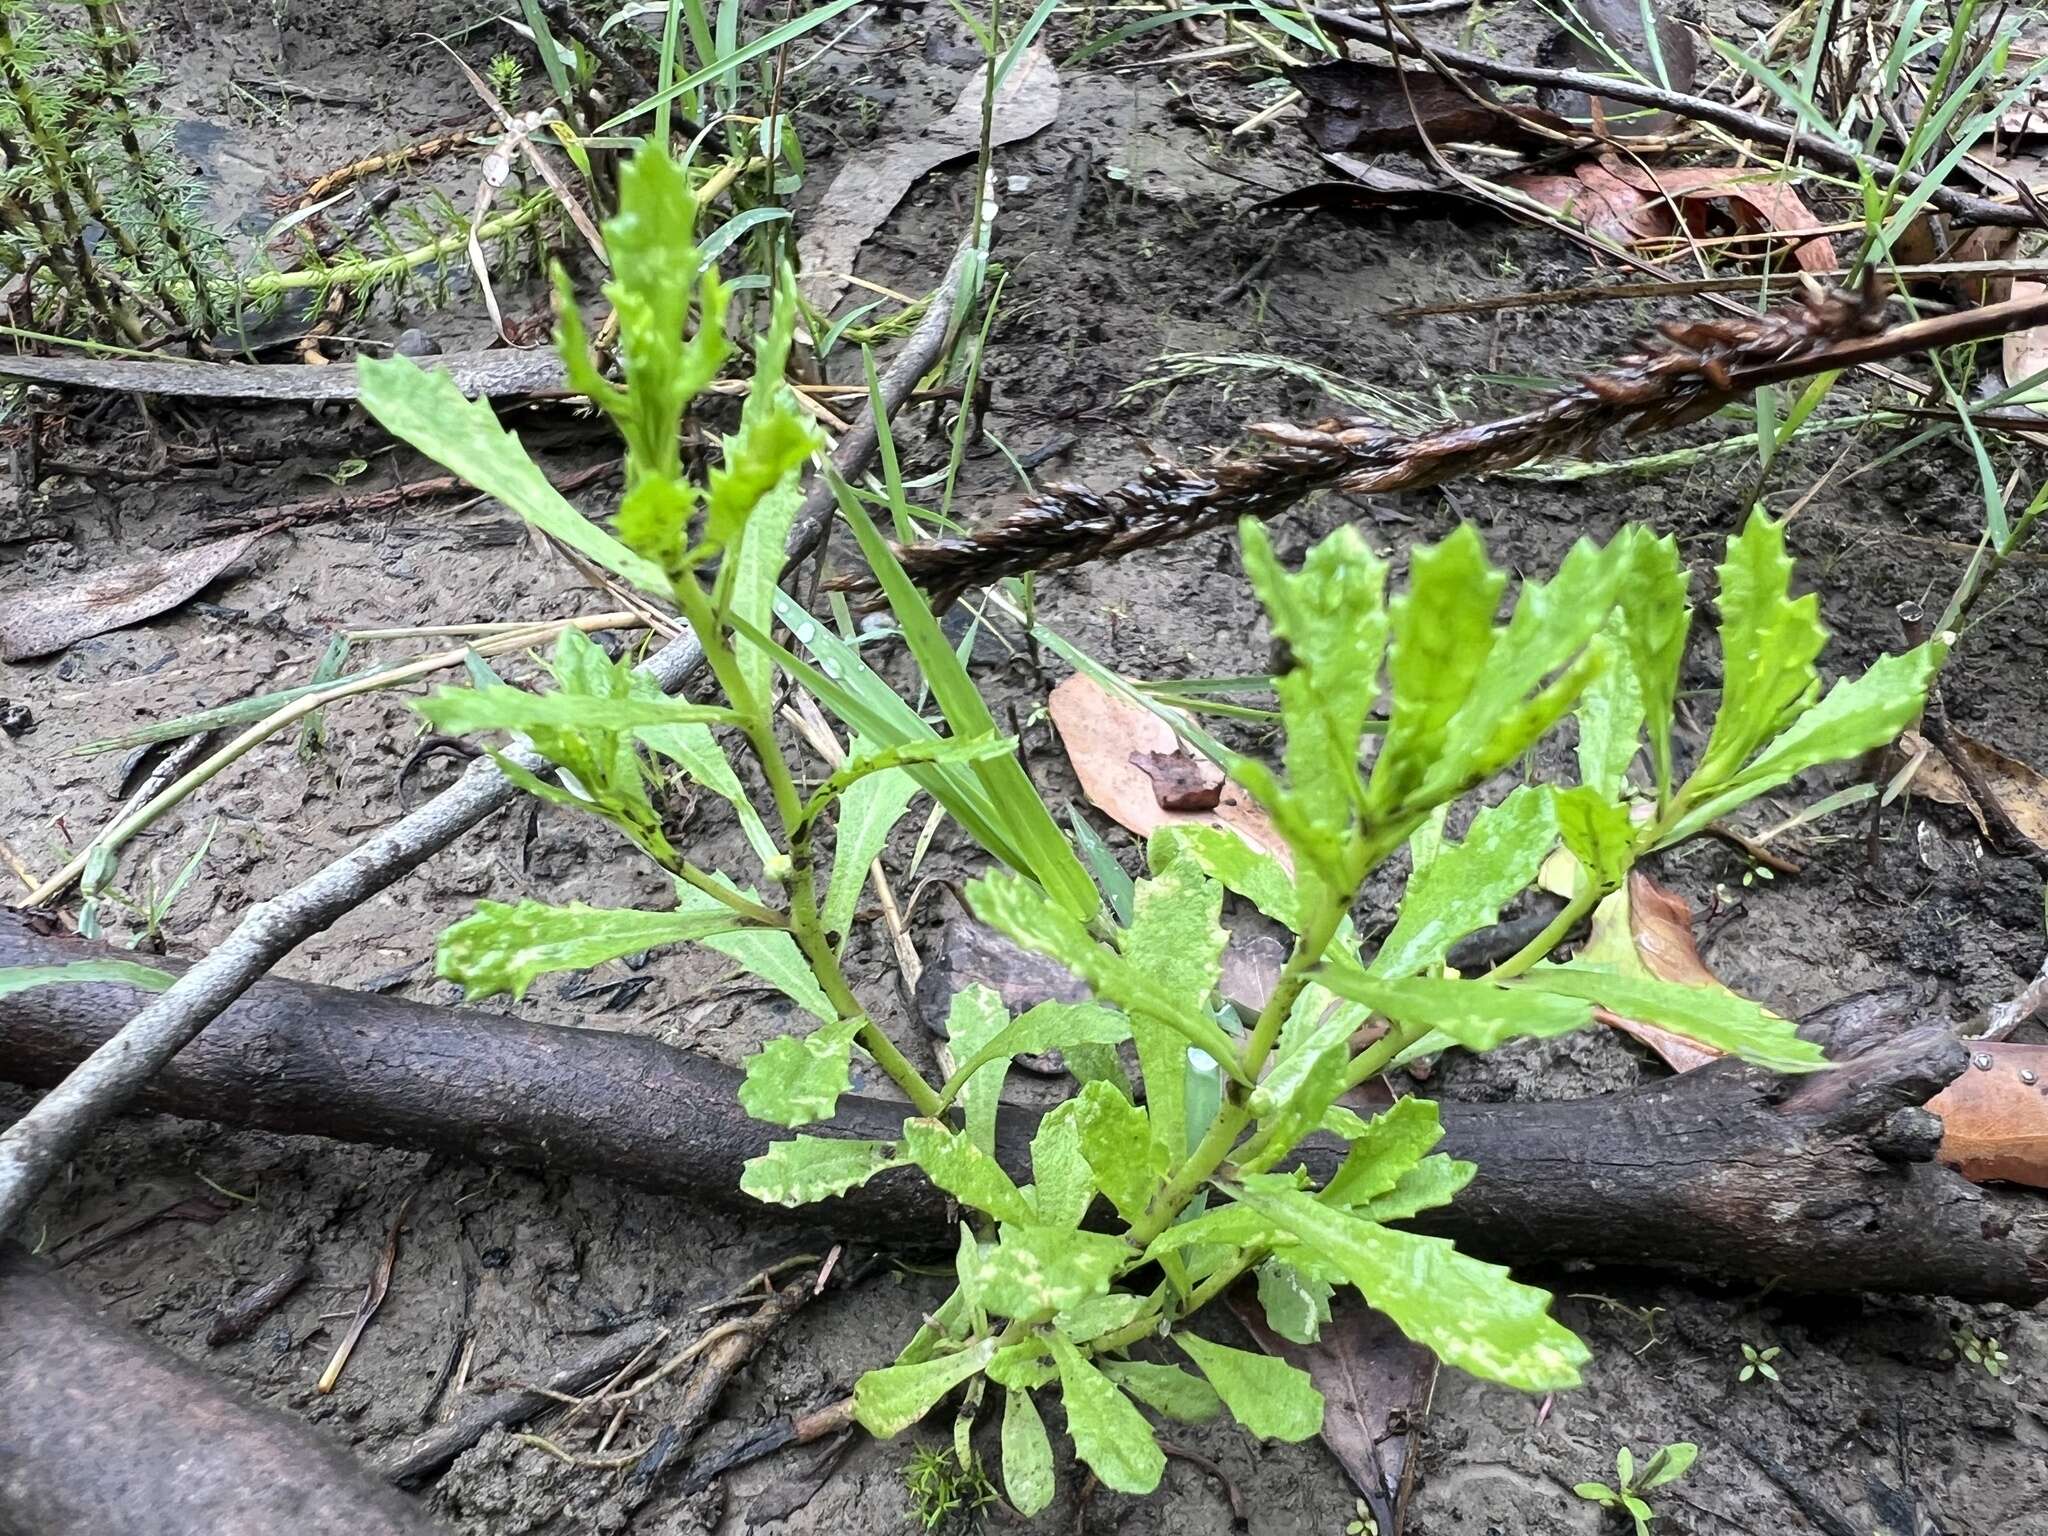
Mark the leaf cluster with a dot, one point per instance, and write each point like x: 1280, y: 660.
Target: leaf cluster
x: 1173, y: 1171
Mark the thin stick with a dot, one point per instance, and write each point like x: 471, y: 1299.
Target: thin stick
x: 2007, y: 1017
x: 1978, y: 210
x: 49, y: 1135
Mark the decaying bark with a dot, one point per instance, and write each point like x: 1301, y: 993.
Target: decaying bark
x: 102, y: 1431
x: 1824, y: 1183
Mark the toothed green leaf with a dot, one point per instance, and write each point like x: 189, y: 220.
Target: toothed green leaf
x: 500, y: 948
x: 807, y: 1168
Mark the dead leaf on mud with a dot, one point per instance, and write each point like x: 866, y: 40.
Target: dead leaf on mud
x: 1629, y: 204
x: 2020, y: 790
x: 1102, y: 734
x: 1357, y: 106
x: 1599, y: 200
x: 1376, y: 1387
x: 867, y: 190
x: 1646, y: 930
x: 1994, y: 1118
x: 49, y: 618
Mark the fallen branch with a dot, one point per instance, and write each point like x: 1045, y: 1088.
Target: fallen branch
x: 34, y: 1147
x: 1825, y: 1183
x: 103, y: 1431
x: 1689, y: 372
x: 1965, y: 205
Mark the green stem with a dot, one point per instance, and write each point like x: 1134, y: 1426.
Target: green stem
x: 1377, y: 1057
x: 358, y: 274
x: 697, y: 879
x: 805, y: 921
x: 1319, y: 928
x: 1552, y: 935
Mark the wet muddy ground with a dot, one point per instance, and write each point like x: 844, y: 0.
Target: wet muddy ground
x: 1119, y: 224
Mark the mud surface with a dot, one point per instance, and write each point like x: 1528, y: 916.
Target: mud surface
x: 1118, y: 224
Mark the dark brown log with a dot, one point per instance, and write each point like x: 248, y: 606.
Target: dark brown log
x: 103, y: 1431
x: 1822, y: 1183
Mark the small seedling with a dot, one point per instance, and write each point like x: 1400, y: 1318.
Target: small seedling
x: 1362, y: 1523
x: 1757, y: 1362
x: 1667, y: 1466
x: 505, y: 74
x: 1982, y: 1350
x: 940, y: 1487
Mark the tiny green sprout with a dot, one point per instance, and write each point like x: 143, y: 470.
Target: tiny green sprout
x: 1362, y: 1522
x: 941, y: 1488
x: 505, y: 74
x: 1982, y: 1350
x: 1757, y: 1362
x: 1667, y: 1466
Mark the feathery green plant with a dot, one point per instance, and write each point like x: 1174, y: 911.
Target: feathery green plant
x: 94, y: 206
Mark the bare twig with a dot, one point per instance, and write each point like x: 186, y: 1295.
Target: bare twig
x: 435, y: 1449
x: 2007, y: 1017
x: 35, y: 1146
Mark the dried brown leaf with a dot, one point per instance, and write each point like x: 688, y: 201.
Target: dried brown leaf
x: 1359, y: 106
x: 1619, y: 25
x: 1102, y: 733
x: 1601, y: 201
x: 2026, y: 352
x: 48, y: 618
x: 1647, y: 930
x: 868, y: 189
x: 1755, y: 201
x: 1994, y: 1118
x: 2021, y: 791
x: 1376, y: 1387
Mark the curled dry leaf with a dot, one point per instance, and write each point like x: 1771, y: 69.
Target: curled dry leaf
x: 1646, y: 930
x: 1102, y: 734
x: 50, y: 617
x: 1181, y: 780
x: 1628, y: 204
x: 1994, y: 1117
x: 2022, y: 792
x: 868, y: 189
x: 1755, y: 202
x: 1600, y: 200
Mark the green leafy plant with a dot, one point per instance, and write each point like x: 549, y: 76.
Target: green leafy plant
x: 1757, y: 1362
x: 505, y: 74
x: 1667, y: 1466
x: 1200, y: 1170
x: 1983, y: 1351
x: 1363, y: 1521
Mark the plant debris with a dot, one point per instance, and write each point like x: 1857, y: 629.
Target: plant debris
x: 49, y: 618
x: 864, y: 193
x: 1100, y: 733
